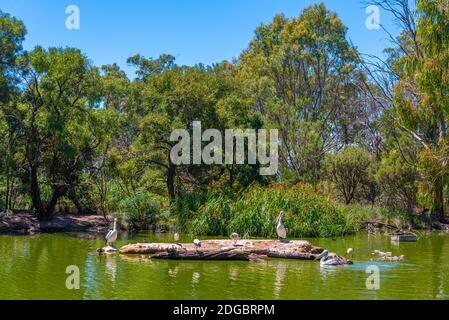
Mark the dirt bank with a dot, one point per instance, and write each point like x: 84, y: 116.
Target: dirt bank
x: 28, y: 224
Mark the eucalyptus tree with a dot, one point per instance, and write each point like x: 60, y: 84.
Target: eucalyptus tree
x: 173, y: 97
x: 12, y: 34
x: 302, y: 74
x: 55, y: 115
x: 420, y: 95
x: 424, y: 112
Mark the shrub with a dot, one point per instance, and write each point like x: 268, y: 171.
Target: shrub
x: 397, y: 180
x: 348, y: 170
x: 141, y: 211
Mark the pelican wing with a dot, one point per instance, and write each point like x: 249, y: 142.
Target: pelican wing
x: 282, y: 232
x: 109, y: 235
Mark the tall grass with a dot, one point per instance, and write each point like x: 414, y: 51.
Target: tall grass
x: 254, y: 212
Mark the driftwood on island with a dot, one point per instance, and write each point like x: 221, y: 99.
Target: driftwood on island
x: 246, y: 250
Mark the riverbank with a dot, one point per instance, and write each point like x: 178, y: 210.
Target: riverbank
x: 28, y: 224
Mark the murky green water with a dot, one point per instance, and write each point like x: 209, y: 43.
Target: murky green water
x: 34, y: 268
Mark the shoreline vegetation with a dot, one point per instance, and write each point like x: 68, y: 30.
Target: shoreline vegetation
x: 360, y: 138
x: 251, y: 214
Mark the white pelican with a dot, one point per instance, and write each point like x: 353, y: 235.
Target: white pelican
x: 382, y: 254
x: 327, y: 260
x: 235, y: 237
x: 280, y: 227
x: 111, y: 237
x: 197, y: 243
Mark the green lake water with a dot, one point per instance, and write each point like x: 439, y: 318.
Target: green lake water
x: 35, y: 268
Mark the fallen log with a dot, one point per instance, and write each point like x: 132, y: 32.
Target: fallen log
x: 379, y: 225
x: 259, y: 247
x: 290, y: 254
x: 228, y: 254
x: 244, y: 250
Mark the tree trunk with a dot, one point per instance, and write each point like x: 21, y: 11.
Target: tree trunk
x: 439, y: 200
x: 7, y: 201
x: 171, y: 175
x: 36, y: 195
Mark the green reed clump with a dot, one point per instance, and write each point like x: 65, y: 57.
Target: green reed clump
x: 183, y: 210
x: 140, y: 211
x: 253, y: 214
x: 213, y: 216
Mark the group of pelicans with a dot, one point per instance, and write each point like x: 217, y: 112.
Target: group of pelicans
x: 326, y: 259
x: 281, y: 230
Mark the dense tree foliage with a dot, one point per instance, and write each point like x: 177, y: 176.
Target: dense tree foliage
x: 357, y: 129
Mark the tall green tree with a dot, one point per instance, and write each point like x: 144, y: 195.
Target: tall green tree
x: 12, y: 34
x: 55, y: 116
x: 301, y: 73
x: 422, y: 97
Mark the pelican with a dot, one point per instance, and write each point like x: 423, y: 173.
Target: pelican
x: 349, y: 252
x: 235, y: 237
x: 382, y: 254
x: 327, y: 260
x: 197, y: 243
x: 111, y: 237
x: 176, y: 236
x: 280, y: 227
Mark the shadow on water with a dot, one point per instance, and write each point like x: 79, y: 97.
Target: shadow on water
x: 34, y: 268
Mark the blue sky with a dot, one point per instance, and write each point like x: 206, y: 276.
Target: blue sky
x: 193, y: 31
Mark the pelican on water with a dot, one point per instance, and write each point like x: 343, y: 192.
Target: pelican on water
x: 280, y: 227
x: 111, y: 237
x: 328, y: 260
x: 235, y: 237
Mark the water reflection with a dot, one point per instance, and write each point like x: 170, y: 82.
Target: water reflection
x: 196, y: 278
x: 34, y: 268
x: 233, y: 273
x: 281, y: 270
x: 328, y: 271
x: 111, y: 266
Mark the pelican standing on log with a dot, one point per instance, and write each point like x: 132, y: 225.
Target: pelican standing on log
x: 111, y: 237
x: 197, y: 243
x: 235, y: 236
x: 280, y: 227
